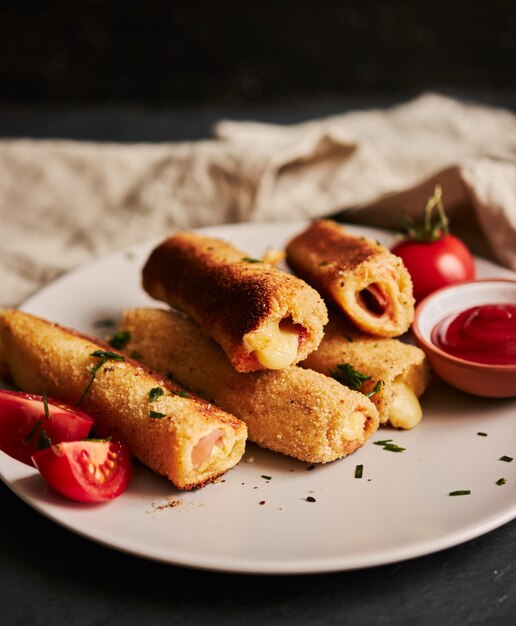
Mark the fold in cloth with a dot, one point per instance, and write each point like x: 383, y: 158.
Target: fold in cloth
x: 63, y: 203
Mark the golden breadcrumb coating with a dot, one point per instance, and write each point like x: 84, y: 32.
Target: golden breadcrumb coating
x: 382, y: 359
x: 233, y: 297
x: 362, y: 277
x: 42, y: 357
x: 294, y: 411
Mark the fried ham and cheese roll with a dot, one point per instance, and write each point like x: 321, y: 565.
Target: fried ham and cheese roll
x: 294, y: 411
x: 262, y: 317
x: 363, y: 278
x: 395, y: 373
x: 186, y: 439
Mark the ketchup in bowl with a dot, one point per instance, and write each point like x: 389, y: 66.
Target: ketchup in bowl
x: 482, y: 334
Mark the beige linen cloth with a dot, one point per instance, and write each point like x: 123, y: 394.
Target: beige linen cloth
x: 63, y: 203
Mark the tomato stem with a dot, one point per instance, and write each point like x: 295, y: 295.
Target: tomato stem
x: 434, y: 227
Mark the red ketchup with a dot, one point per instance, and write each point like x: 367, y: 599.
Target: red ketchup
x: 482, y: 334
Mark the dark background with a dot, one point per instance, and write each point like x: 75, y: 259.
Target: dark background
x: 245, y: 58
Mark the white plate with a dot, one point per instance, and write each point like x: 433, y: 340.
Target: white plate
x: 247, y: 523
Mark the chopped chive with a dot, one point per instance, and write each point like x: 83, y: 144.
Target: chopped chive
x: 359, y: 471
x: 155, y: 393
x: 460, y: 492
x: 266, y: 477
x: 156, y: 414
x: 392, y: 447
x: 376, y: 389
x: 33, y: 430
x: 135, y: 355
x: 388, y: 445
x: 44, y: 440
x: 45, y: 405
x: 505, y: 458
x: 347, y: 375
x: 182, y: 393
x: 105, y: 354
x: 501, y: 481
x: 482, y: 434
x: 251, y: 260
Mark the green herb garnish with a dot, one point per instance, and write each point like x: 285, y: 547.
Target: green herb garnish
x: 156, y: 414
x: 482, y: 434
x: 250, y: 259
x: 501, y: 481
x: 376, y: 389
x: 104, y: 357
x: 505, y: 458
x: 33, y: 430
x: 388, y: 445
x: 183, y: 394
x: 347, y: 375
x: 44, y: 440
x: 460, y: 492
x: 120, y: 339
x: 155, y: 393
x: 266, y: 477
x: 45, y: 405
x: 359, y: 471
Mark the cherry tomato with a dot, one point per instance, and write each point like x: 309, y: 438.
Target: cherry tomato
x: 434, y: 264
x: 25, y: 426
x: 86, y: 471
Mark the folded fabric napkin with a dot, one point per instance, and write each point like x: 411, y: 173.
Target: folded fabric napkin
x: 63, y: 203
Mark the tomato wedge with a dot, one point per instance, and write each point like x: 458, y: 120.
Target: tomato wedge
x: 27, y: 425
x: 86, y: 471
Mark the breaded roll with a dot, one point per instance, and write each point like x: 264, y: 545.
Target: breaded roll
x: 297, y: 412
x: 363, y: 278
x: 393, y: 372
x: 262, y: 317
x: 184, y: 438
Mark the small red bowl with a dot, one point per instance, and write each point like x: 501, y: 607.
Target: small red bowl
x: 480, y: 379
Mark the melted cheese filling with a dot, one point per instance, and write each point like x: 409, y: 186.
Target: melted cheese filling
x: 405, y: 410
x: 354, y: 428
x: 275, y: 346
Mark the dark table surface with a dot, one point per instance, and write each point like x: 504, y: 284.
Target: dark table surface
x: 49, y: 575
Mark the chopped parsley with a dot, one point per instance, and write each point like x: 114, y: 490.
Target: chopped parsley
x: 155, y: 393
x: 156, y: 414
x: 250, y: 259
x: 310, y: 499
x: 501, y: 481
x: 505, y: 458
x: 460, y: 492
x: 347, y: 375
x: 120, y: 339
x: 482, y: 434
x: 266, y: 477
x: 359, y: 471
